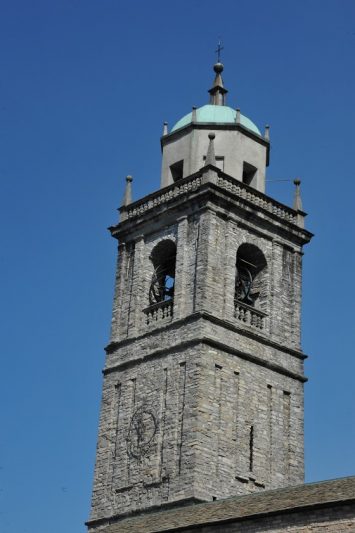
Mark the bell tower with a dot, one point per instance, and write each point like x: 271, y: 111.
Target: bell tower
x: 203, y: 380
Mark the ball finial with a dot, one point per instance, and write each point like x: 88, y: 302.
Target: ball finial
x: 211, y: 136
x: 218, y: 67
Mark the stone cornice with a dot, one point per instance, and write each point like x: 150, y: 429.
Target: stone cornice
x: 211, y: 184
x: 176, y: 134
x: 115, y: 345
x: 203, y: 339
x: 182, y: 346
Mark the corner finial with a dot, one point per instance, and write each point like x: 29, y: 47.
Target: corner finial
x: 210, y: 157
x: 127, y: 197
x: 267, y: 133
x: 237, y: 116
x: 194, y: 114
x: 297, y: 202
x: 165, y: 128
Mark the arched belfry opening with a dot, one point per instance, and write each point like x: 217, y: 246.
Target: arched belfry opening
x: 250, y: 276
x: 162, y: 285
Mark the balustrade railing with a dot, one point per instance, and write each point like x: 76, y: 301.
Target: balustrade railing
x: 177, y: 189
x: 252, y: 195
x: 194, y: 182
x: 249, y: 315
x: 159, y: 311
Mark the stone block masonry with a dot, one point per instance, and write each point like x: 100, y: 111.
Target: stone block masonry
x: 198, y: 405
x: 205, y: 401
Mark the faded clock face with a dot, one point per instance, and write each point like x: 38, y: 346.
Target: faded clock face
x: 141, y: 433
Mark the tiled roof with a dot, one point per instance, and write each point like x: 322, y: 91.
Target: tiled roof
x: 238, y: 507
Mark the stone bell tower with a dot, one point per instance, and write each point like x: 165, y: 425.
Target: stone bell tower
x: 203, y: 381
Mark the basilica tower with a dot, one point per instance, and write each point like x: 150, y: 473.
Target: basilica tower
x: 203, y: 381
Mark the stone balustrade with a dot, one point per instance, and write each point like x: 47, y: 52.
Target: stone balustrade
x: 164, y: 195
x: 160, y: 311
x: 257, y: 198
x: 194, y: 182
x: 249, y: 315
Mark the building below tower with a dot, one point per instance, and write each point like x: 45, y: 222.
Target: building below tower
x: 325, y: 507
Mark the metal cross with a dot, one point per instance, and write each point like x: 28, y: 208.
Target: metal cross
x: 218, y: 51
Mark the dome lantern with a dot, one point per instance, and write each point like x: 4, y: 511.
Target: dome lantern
x: 241, y: 151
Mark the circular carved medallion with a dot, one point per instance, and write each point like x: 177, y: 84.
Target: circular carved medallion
x: 141, y: 433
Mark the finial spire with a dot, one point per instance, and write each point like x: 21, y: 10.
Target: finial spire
x: 210, y: 157
x: 127, y: 197
x: 297, y: 202
x: 267, y: 133
x: 218, y: 92
x: 218, y: 50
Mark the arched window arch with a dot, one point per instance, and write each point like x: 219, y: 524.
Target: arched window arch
x: 250, y: 283
x: 162, y: 285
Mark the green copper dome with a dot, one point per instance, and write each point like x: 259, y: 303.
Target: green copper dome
x: 219, y: 114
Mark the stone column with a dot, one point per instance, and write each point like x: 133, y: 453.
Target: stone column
x: 135, y: 314
x: 182, y: 290
x: 118, y: 292
x: 229, y: 272
x: 276, y: 310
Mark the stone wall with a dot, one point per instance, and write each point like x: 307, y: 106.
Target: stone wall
x: 203, y: 402
x: 234, y: 145
x: 223, y: 425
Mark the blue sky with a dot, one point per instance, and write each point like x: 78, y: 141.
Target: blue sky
x: 84, y: 89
